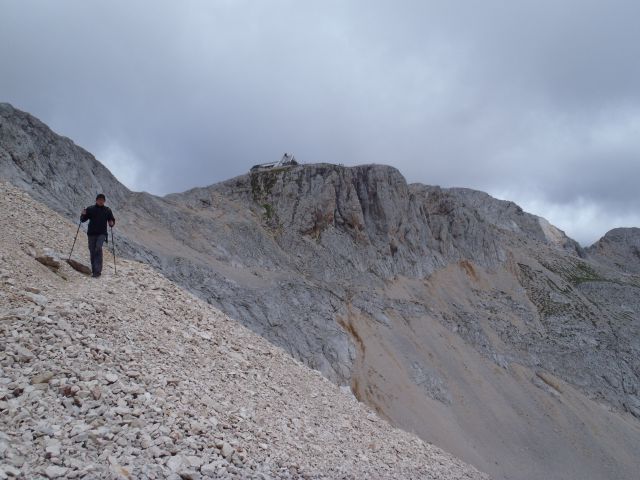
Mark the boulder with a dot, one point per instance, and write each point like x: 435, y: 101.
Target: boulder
x: 78, y: 266
x: 49, y: 260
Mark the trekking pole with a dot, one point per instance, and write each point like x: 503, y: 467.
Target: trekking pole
x: 74, y: 240
x: 113, y: 247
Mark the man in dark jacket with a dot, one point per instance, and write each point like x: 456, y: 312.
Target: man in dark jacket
x: 99, y: 216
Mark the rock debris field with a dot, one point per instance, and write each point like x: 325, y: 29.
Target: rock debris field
x: 130, y: 377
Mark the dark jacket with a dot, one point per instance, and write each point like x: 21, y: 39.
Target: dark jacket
x: 98, y: 217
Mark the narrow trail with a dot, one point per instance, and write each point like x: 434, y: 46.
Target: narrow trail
x: 129, y: 376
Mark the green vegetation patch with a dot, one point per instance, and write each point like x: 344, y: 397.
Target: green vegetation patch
x: 269, y: 211
x: 262, y: 183
x: 582, y: 273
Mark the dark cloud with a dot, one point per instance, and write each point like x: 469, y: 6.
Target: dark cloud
x: 538, y: 101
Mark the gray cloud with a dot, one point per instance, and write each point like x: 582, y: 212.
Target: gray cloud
x: 538, y: 102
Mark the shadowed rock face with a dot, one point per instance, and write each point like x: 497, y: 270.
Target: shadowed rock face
x: 481, y: 327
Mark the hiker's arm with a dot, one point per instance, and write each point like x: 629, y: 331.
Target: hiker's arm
x: 84, y: 216
x: 110, y: 218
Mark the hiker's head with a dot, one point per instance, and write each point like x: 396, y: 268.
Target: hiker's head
x: 100, y: 199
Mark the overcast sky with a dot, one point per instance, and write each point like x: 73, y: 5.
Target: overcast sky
x: 533, y: 101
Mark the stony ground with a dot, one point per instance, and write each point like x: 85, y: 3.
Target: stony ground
x: 129, y: 376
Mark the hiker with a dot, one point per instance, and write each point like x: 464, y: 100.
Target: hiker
x: 99, y: 216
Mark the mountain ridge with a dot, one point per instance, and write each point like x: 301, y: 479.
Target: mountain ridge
x: 418, y: 298
x: 9, y: 111
x: 133, y: 377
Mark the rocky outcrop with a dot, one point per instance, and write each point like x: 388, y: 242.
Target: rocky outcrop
x: 460, y: 317
x: 130, y: 376
x: 50, y: 167
x: 619, y: 249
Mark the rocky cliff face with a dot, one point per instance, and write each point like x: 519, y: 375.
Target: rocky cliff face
x: 132, y: 377
x: 50, y: 167
x: 481, y: 327
x: 619, y: 249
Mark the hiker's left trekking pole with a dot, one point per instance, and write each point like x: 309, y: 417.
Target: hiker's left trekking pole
x: 113, y: 246
x: 74, y: 240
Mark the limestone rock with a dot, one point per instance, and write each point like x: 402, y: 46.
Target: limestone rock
x: 9, y: 471
x: 419, y: 298
x: 42, y: 377
x: 37, y: 298
x: 52, y: 447
x: 620, y: 249
x: 54, y: 471
x: 175, y: 463
x: 49, y: 260
x: 227, y: 450
x: 38, y: 160
x: 152, y: 382
x: 79, y: 266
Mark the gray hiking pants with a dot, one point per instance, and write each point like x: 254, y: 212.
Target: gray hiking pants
x: 95, y: 250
